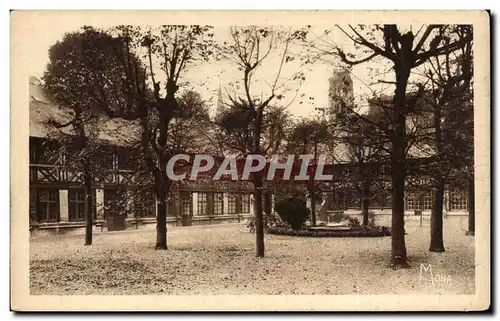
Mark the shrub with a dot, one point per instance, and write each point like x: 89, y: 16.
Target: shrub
x: 354, y: 222
x: 294, y: 211
x: 379, y: 231
x: 273, y: 220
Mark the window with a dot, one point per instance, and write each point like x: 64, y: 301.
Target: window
x: 186, y: 203
x: 245, y: 203
x: 126, y: 159
x: 109, y: 159
x: 34, y: 149
x: 218, y: 203
x: 33, y: 211
x: 48, y: 205
x: 173, y: 205
x: 43, y: 151
x: 231, y: 203
x: 202, y: 203
x: 428, y: 200
x: 412, y: 202
x: 458, y: 201
x: 419, y: 201
x: 76, y: 204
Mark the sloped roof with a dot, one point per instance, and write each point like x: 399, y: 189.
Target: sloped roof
x: 41, y: 108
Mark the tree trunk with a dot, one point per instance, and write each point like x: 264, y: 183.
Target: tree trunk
x: 312, y: 189
x: 365, y: 204
x: 313, y: 207
x: 437, y: 210
x: 88, y: 204
x: 437, y: 219
x: 268, y: 205
x: 472, y: 216
x: 87, y: 181
x: 398, y: 249
x: 259, y: 224
x: 334, y: 197
x: 161, y: 224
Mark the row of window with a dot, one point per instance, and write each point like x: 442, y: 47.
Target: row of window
x: 213, y: 203
x: 458, y: 201
x: 45, y: 204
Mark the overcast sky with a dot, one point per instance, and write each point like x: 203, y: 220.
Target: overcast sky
x: 207, y: 78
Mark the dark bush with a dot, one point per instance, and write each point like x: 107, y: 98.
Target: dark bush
x: 293, y: 211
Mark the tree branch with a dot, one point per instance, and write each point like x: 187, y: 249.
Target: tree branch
x: 58, y: 125
x: 366, y: 43
x: 181, y: 65
x: 344, y: 59
x: 426, y: 34
x: 423, y: 57
x: 155, y: 84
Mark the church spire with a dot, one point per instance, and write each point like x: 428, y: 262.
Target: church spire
x: 220, y: 100
x: 220, y: 103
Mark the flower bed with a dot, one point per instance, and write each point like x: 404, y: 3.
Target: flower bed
x: 378, y: 231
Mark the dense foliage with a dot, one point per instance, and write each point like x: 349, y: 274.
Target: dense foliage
x: 294, y: 211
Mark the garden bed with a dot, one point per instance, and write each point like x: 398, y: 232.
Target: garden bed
x: 379, y: 231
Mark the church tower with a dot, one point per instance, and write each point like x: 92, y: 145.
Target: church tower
x: 340, y: 92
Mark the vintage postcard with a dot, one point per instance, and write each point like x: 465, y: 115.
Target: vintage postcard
x: 250, y: 161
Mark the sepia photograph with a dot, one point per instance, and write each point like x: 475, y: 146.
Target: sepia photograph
x: 258, y: 161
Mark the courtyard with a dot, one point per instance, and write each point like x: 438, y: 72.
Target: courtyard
x: 220, y: 259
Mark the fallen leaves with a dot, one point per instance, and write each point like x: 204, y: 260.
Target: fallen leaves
x: 221, y: 260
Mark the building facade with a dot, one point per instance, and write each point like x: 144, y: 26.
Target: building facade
x: 57, y: 197
x: 419, y: 194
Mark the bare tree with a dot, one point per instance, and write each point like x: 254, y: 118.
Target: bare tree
x: 172, y: 50
x: 450, y: 85
x: 405, y: 51
x: 187, y: 133
x: 249, y: 48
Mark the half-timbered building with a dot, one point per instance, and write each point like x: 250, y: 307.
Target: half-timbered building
x: 57, y: 198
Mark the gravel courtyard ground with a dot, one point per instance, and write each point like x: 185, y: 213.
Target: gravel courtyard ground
x: 221, y: 260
